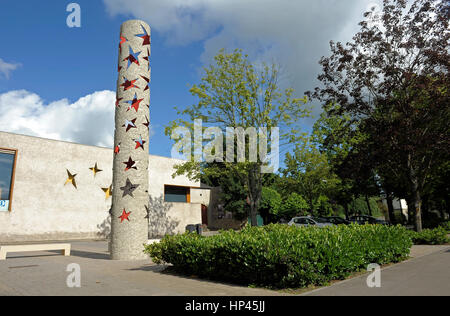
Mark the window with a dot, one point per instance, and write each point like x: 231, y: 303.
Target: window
x: 7, y: 169
x: 176, y: 194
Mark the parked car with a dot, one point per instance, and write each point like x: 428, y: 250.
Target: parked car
x: 336, y: 220
x: 304, y: 221
x: 363, y: 219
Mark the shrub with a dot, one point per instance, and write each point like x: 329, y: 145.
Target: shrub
x: 283, y: 256
x: 437, y: 236
x: 446, y: 226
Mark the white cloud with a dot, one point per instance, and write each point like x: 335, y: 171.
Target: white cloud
x: 6, y: 68
x: 294, y: 34
x: 89, y: 120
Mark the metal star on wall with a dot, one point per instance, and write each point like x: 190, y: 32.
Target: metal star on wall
x: 148, y: 82
x: 144, y: 36
x: 118, y: 102
x: 129, y: 188
x: 130, y: 164
x: 95, y: 169
x: 147, y: 122
x: 132, y: 57
x: 134, y: 104
x: 129, y: 124
x: 128, y: 84
x: 139, y: 143
x: 71, y: 179
x: 117, y: 149
x: 122, y: 40
x: 124, y: 216
x: 108, y: 192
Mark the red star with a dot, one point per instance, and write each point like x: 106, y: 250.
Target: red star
x: 122, y: 40
x: 146, y: 79
x: 147, y: 123
x: 117, y: 149
x: 130, y: 164
x: 124, y: 216
x: 127, y: 84
x: 134, y: 103
x: 139, y: 143
x: 118, y: 101
x: 145, y: 37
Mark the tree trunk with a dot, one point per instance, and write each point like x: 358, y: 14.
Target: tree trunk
x: 368, y: 205
x: 254, y: 189
x: 346, y: 211
x: 390, y: 206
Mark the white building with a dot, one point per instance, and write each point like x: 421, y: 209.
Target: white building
x: 38, y: 201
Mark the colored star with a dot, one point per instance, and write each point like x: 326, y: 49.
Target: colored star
x: 122, y: 40
x: 117, y: 149
x: 71, y: 179
x: 144, y: 36
x: 147, y: 123
x: 129, y: 188
x: 124, y: 216
x: 134, y: 103
x: 95, y: 169
x: 129, y: 124
x: 148, y: 81
x: 127, y: 84
x: 108, y: 191
x: 132, y: 57
x: 118, y: 101
x: 130, y: 164
x: 139, y: 143
x: 147, y: 58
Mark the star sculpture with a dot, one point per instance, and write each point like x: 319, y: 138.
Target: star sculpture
x: 144, y: 36
x: 117, y: 149
x: 132, y: 57
x: 95, y: 169
x: 134, y: 104
x: 147, y: 122
x: 118, y: 102
x: 127, y: 84
x: 129, y: 124
x: 139, y: 143
x: 130, y: 164
x: 122, y: 40
x: 148, y: 82
x: 124, y: 216
x: 108, y: 191
x: 129, y: 188
x: 71, y: 179
x: 147, y: 58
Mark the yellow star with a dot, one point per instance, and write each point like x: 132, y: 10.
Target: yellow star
x: 71, y: 179
x: 108, y: 192
x: 95, y: 169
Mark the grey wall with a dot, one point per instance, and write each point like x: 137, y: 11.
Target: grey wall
x: 44, y: 208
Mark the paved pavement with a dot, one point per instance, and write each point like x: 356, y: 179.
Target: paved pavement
x: 426, y: 274
x: 44, y: 273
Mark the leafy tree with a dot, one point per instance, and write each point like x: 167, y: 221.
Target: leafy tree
x: 293, y: 205
x: 235, y: 93
x: 271, y: 204
x: 392, y: 78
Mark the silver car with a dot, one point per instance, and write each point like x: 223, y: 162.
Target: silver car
x: 304, y: 221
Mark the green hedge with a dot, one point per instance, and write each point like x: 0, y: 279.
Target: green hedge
x: 283, y: 256
x: 437, y: 236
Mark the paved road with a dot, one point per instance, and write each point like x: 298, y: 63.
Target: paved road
x: 44, y: 273
x: 425, y: 275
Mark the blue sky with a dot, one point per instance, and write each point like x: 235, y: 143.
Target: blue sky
x: 57, y: 82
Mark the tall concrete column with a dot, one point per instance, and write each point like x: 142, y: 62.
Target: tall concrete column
x: 129, y: 223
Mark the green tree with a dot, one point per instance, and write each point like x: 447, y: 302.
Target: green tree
x: 235, y: 93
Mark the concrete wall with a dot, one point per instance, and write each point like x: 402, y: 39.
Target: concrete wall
x: 44, y: 208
